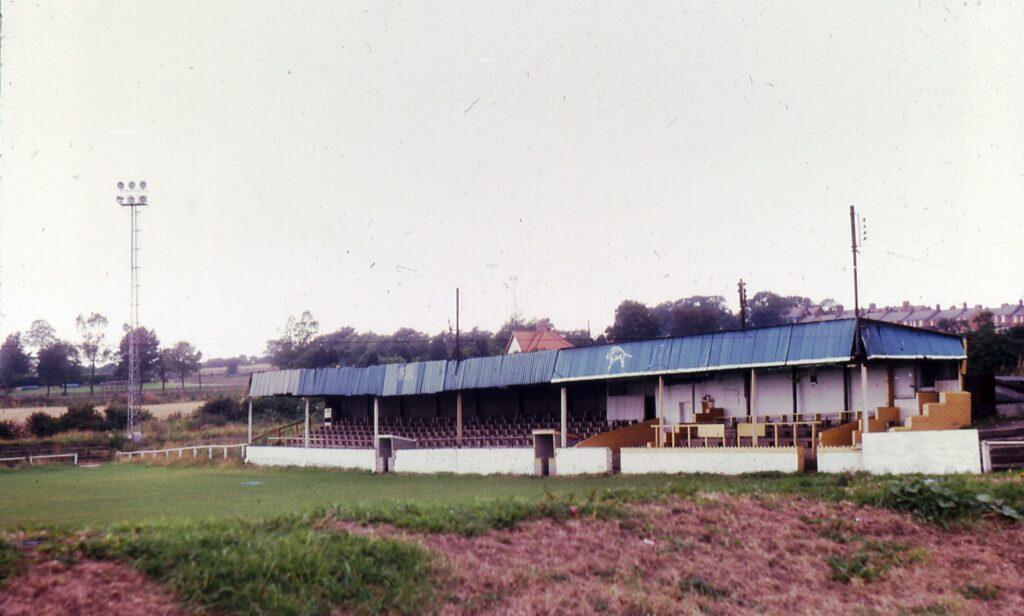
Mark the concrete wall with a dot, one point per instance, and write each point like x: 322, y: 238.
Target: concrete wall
x: 583, y: 461
x: 357, y: 459
x: 929, y: 451
x: 506, y: 461
x: 723, y: 461
x: 840, y: 460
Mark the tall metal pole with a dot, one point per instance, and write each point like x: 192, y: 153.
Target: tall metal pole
x: 133, y: 197
x: 457, y: 356
x: 743, y: 304
x: 853, y: 247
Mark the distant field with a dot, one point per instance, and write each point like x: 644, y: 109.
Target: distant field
x: 160, y: 411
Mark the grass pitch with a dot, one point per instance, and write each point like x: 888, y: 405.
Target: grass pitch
x: 77, y: 497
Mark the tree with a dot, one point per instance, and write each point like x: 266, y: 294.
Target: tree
x: 438, y: 348
x: 149, y: 354
x: 767, y: 308
x: 697, y: 314
x: 633, y: 321
x: 989, y: 352
x: 40, y: 334
x: 92, y: 330
x: 14, y: 361
x: 184, y: 360
x: 163, y: 368
x: 296, y: 336
x: 57, y: 364
x: 232, y: 364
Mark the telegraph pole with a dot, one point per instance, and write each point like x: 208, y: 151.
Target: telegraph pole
x: 742, y: 286
x: 457, y: 324
x: 133, y: 197
x: 858, y: 339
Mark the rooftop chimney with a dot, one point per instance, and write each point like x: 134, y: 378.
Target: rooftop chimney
x: 872, y: 307
x: 906, y: 304
x: 965, y: 305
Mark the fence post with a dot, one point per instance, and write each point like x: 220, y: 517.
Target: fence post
x: 30, y: 460
x: 986, y: 457
x: 76, y: 458
x: 225, y: 453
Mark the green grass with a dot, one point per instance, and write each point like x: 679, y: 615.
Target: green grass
x: 10, y: 561
x: 108, y: 494
x: 279, y: 566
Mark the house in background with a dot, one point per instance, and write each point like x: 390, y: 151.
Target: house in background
x: 541, y: 338
x: 926, y: 317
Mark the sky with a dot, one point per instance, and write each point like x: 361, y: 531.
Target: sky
x: 362, y: 160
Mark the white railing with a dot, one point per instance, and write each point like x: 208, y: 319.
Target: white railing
x: 32, y: 458
x: 986, y: 452
x: 195, y: 449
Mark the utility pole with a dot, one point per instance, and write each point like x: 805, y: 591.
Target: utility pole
x: 133, y: 197
x: 858, y: 340
x: 743, y: 304
x: 457, y: 357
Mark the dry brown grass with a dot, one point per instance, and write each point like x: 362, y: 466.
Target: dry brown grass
x: 85, y: 588
x: 730, y: 555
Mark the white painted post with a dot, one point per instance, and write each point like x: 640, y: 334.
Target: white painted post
x: 986, y: 457
x: 305, y: 437
x: 225, y: 453
x: 458, y: 418
x: 660, y: 406
x: 753, y: 403
x: 250, y: 421
x: 864, y: 399
x: 565, y: 417
x: 76, y: 458
x: 376, y: 420
x: 211, y: 452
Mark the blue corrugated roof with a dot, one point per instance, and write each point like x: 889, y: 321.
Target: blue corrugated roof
x: 820, y: 342
x: 883, y: 340
x: 501, y: 371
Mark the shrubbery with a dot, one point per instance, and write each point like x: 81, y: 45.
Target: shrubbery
x: 9, y: 429
x: 41, y: 424
x: 224, y: 410
x: 943, y: 502
x: 83, y: 417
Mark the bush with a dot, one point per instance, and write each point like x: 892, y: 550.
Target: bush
x: 278, y: 409
x: 9, y: 430
x: 41, y: 424
x: 943, y: 502
x: 218, y: 412
x: 81, y: 417
x: 116, y: 416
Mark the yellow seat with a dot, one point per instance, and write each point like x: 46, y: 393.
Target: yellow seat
x: 706, y: 431
x: 749, y: 430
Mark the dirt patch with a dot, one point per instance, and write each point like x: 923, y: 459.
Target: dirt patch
x: 85, y: 588
x: 728, y: 556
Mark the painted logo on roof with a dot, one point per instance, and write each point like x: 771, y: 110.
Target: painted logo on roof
x: 617, y: 354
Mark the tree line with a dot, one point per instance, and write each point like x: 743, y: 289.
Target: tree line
x: 301, y: 345
x: 40, y: 357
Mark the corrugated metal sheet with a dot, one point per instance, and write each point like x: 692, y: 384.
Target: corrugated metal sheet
x: 813, y: 342
x: 825, y: 342
x: 804, y: 343
x: 275, y: 383
x: 501, y: 371
x: 888, y: 341
x: 424, y: 377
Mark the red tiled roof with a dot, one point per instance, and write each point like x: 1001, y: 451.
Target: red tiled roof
x: 538, y: 340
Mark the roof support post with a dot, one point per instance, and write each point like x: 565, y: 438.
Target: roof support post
x: 890, y: 386
x: 458, y: 419
x: 753, y: 402
x: 792, y: 376
x: 305, y: 434
x: 565, y: 416
x: 250, y: 422
x: 661, y: 410
x: 864, y: 400
x: 376, y: 420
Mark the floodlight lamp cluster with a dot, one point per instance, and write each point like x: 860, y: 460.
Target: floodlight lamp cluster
x: 132, y: 193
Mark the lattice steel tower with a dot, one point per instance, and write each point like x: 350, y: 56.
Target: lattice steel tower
x: 133, y: 197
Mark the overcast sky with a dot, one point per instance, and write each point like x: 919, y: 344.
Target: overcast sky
x: 363, y: 160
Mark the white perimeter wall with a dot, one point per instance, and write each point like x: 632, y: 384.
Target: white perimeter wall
x: 839, y: 460
x: 723, y: 461
x: 935, y: 452
x: 583, y: 461
x: 506, y: 461
x: 358, y: 459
